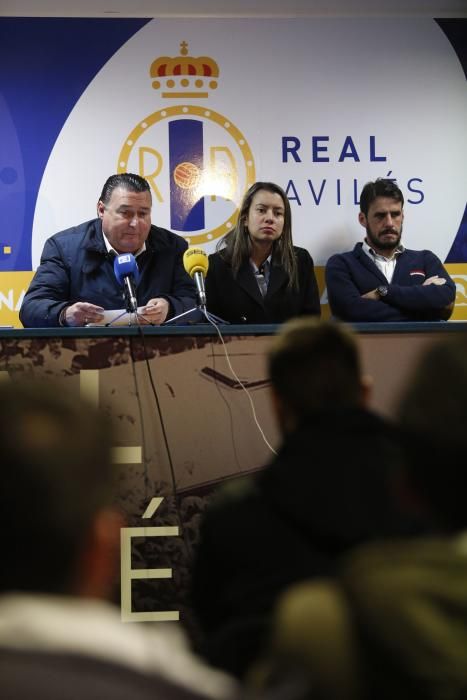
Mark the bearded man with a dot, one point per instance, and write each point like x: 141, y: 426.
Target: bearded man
x: 380, y: 279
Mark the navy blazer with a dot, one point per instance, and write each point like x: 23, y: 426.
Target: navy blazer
x: 349, y: 275
x: 75, y: 266
x: 239, y: 300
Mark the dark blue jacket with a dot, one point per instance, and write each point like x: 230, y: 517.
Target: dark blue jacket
x: 75, y: 267
x: 349, y: 275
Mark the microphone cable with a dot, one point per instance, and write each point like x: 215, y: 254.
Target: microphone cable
x: 237, y: 378
x: 196, y: 262
x: 147, y: 493
x: 229, y: 410
x: 173, y: 480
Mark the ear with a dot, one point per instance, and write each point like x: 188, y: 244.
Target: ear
x: 100, y: 209
x: 99, y: 563
x: 362, y: 219
x: 366, y: 390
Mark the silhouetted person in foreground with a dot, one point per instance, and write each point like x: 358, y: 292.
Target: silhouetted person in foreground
x: 60, y: 638
x: 394, y: 625
x: 329, y: 489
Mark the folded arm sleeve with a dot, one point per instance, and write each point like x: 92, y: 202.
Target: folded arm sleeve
x: 345, y: 297
x: 429, y: 300
x: 49, y: 290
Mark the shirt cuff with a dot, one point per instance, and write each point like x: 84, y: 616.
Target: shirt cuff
x: 62, y: 317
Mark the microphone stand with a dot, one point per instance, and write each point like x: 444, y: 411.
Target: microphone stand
x: 200, y: 308
x: 131, y: 310
x: 132, y: 321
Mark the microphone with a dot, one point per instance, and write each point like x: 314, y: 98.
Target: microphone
x: 196, y: 263
x: 127, y: 274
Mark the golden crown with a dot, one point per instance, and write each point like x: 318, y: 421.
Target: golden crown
x: 184, y: 76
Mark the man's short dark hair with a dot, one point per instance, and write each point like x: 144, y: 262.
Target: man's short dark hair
x: 128, y: 181
x: 433, y: 416
x: 379, y: 188
x: 314, y: 366
x: 56, y: 474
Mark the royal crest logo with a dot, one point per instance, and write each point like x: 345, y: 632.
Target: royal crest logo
x: 196, y: 160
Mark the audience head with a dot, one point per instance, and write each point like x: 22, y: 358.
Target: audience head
x: 56, y: 492
x: 314, y: 367
x: 433, y: 417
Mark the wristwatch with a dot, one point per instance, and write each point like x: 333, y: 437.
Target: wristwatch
x: 382, y: 291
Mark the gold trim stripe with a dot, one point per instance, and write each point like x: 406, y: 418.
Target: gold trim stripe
x: 182, y: 95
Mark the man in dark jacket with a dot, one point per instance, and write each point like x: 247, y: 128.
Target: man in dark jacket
x: 394, y: 624
x: 380, y: 280
x: 328, y: 489
x: 75, y: 281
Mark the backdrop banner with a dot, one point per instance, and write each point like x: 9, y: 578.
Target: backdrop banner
x: 203, y: 108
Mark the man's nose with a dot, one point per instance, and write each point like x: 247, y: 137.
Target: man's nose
x: 134, y: 220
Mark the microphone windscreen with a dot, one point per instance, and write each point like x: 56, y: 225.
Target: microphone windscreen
x: 195, y: 260
x: 125, y: 266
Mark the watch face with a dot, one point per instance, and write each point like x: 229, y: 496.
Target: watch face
x: 382, y: 291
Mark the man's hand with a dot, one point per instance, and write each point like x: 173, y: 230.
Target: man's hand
x: 82, y: 313
x: 434, y: 280
x: 372, y: 295
x: 156, y: 311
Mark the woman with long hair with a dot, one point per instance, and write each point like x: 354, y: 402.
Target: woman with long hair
x: 256, y: 274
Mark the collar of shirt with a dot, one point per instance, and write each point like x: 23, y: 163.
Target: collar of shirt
x: 262, y: 274
x: 109, y: 247
x: 93, y: 628
x: 385, y: 265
